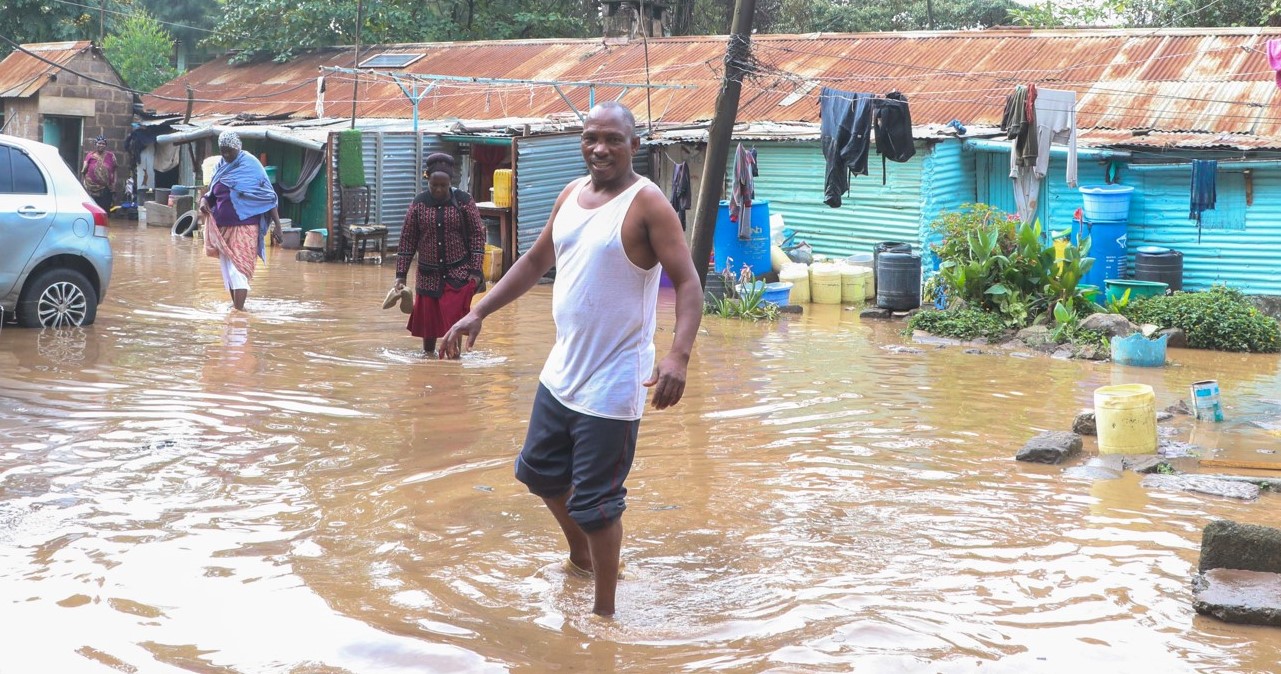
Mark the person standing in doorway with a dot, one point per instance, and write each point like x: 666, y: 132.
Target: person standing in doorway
x: 443, y: 229
x: 99, y: 173
x: 239, y: 208
x: 610, y: 236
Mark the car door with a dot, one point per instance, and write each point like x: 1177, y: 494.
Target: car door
x: 27, y: 208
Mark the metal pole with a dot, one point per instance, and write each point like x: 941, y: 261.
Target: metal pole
x: 712, y: 183
x: 355, y: 65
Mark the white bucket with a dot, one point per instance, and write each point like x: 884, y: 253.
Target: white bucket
x: 1205, y: 400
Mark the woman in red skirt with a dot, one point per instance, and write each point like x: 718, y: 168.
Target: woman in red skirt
x: 444, y: 230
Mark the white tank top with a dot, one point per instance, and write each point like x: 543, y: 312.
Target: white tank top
x: 604, y: 307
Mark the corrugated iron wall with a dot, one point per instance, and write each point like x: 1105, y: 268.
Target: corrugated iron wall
x: 947, y: 182
x: 1247, y: 258
x: 791, y: 178
x: 393, y: 162
x: 544, y: 164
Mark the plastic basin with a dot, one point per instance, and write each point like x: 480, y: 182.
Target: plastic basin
x: 1139, y: 351
x: 1138, y: 289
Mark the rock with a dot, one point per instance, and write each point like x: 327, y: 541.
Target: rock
x: 1229, y: 545
x: 1084, y: 424
x: 1062, y: 354
x: 1112, y: 462
x: 1173, y: 449
x: 1036, y: 336
x: 1092, y: 353
x: 1098, y: 468
x: 973, y: 352
x: 1178, y: 339
x: 791, y: 309
x: 1164, y: 415
x: 899, y: 348
x: 874, y: 312
x: 1022, y: 354
x: 1149, y: 463
x: 1180, y: 407
x: 1050, y: 447
x: 1112, y: 325
x: 310, y: 256
x: 1236, y: 596
x: 1149, y: 329
x: 905, y: 314
x: 1199, y: 484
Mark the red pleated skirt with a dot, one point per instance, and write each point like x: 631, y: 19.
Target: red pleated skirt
x: 432, y: 317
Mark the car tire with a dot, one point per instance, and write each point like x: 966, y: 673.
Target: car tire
x: 58, y: 298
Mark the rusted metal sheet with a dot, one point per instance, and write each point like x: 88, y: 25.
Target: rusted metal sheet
x: 1208, y: 81
x: 22, y: 75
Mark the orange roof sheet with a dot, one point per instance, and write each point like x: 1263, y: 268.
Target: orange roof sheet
x: 1211, y: 81
x: 22, y: 75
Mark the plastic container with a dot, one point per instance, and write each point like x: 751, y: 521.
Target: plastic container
x: 291, y: 237
x: 777, y: 258
x: 502, y: 188
x: 1107, y: 247
x: 898, y: 281
x: 1138, y: 289
x: 1159, y: 264
x: 1139, y: 351
x: 753, y: 252
x: 1205, y: 400
x: 1106, y: 202
x: 272, y: 172
x: 825, y: 283
x: 315, y: 239
x: 777, y: 293
x: 854, y: 282
x: 799, y: 276
x: 776, y: 228
x: 492, y: 266
x: 1125, y: 416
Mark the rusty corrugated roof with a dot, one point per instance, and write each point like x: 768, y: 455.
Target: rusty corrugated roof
x: 1197, y: 81
x: 22, y: 75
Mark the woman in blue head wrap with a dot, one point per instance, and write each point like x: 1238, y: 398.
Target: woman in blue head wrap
x: 239, y: 209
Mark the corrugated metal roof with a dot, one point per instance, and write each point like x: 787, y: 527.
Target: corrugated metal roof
x: 22, y: 75
x: 1206, y: 81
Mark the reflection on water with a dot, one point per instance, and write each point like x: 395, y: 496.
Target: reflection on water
x: 299, y: 489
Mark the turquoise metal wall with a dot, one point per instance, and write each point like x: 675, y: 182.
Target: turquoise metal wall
x: 1240, y: 245
x: 791, y: 178
x: 1058, y: 201
x: 544, y: 165
x: 947, y: 182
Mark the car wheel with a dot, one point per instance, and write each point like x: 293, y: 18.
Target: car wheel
x: 58, y: 298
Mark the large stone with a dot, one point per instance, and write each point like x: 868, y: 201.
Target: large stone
x: 1199, y: 484
x: 310, y: 256
x: 1178, y: 339
x: 1084, y: 424
x: 1112, y: 325
x: 1036, y: 336
x: 1250, y: 547
x: 1050, y: 447
x: 1236, y: 596
x: 874, y: 312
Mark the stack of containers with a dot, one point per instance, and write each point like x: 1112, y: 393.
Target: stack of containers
x: 798, y: 274
x: 1107, y: 216
x: 825, y: 283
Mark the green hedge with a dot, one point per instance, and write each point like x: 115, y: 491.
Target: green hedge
x: 1220, y: 318
x: 959, y: 324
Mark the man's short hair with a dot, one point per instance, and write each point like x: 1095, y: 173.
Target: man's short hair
x: 620, y: 109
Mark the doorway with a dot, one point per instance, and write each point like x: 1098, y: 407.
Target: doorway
x: 65, y: 133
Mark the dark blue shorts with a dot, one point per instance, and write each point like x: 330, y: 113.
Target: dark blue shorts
x: 567, y: 450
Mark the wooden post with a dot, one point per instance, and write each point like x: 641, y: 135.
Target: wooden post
x: 712, y: 183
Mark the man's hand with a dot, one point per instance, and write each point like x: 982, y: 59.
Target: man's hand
x: 451, y: 344
x: 668, y: 380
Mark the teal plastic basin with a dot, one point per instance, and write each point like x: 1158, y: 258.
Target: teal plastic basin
x: 1138, y: 289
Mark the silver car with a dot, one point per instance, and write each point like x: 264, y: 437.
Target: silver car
x: 55, y: 260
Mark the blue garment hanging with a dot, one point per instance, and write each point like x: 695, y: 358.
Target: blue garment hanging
x: 1204, y: 172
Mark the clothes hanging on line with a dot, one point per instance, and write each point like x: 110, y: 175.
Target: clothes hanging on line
x: 847, y: 123
x: 1019, y: 124
x: 1274, y: 57
x: 1204, y: 195
x: 892, y: 124
x: 680, y: 191
x: 1055, y: 120
x: 744, y: 191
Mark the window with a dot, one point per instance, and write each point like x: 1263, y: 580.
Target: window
x: 6, y: 181
x: 390, y: 60
x: 27, y: 178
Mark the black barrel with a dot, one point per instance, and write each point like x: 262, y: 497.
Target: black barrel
x: 898, y: 281
x: 887, y: 247
x: 1165, y: 267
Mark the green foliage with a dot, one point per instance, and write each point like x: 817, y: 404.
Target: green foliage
x: 744, y: 298
x: 989, y: 260
x: 140, y: 50
x: 1220, y: 318
x: 958, y: 324
x: 27, y: 21
x: 897, y: 15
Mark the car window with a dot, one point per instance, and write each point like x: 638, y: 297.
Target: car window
x: 6, y: 183
x: 26, y: 176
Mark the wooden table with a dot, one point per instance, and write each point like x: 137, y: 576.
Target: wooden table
x: 506, y: 237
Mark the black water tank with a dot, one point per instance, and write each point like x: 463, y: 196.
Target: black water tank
x: 886, y: 247
x: 898, y: 281
x: 1165, y: 266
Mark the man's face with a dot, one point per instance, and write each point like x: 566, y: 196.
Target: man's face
x: 608, y: 144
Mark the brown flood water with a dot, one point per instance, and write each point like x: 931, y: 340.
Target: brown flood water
x: 297, y: 490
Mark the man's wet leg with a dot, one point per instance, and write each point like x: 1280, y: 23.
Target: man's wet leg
x: 579, y: 548
x: 605, y: 544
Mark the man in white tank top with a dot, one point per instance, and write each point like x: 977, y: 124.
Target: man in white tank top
x: 610, y: 236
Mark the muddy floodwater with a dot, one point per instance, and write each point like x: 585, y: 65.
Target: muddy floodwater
x: 297, y: 490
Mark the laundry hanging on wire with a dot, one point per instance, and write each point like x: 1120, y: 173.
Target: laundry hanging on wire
x: 1035, y: 119
x: 848, y: 123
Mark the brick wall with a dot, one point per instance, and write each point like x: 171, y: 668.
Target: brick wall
x: 22, y: 118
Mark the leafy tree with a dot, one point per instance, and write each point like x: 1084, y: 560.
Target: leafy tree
x: 26, y: 21
x: 189, y: 21
x: 140, y: 49
x: 903, y: 15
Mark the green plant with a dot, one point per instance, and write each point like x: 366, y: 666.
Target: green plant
x: 140, y: 50
x: 1119, y: 305
x: 744, y: 297
x: 1220, y: 318
x: 958, y: 324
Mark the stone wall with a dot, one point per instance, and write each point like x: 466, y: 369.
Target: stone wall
x: 21, y: 118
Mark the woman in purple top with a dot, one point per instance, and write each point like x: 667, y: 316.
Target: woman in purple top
x: 239, y: 208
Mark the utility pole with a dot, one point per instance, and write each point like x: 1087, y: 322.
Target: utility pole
x: 355, y: 82
x: 102, y: 20
x: 712, y: 183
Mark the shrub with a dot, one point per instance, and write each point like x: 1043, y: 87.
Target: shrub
x: 959, y: 324
x: 1220, y: 318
